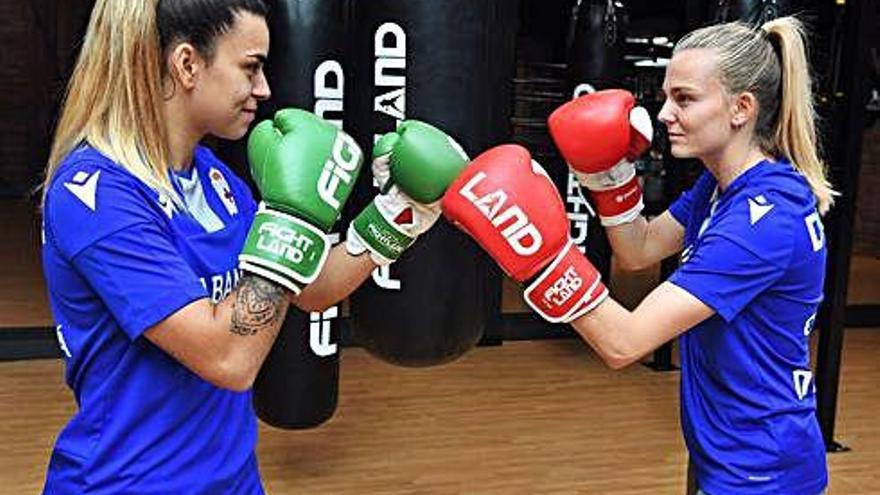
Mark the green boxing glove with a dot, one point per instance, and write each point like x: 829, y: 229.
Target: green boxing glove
x: 412, y: 167
x: 305, y: 169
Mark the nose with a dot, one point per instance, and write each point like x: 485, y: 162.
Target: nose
x: 261, y: 91
x: 666, y: 115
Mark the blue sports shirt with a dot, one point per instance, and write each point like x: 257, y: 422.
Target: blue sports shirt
x: 755, y: 253
x: 119, y: 258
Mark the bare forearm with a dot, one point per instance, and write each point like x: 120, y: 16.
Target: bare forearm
x: 225, y: 343
x: 622, y: 337
x: 609, y: 330
x: 628, y: 243
x: 342, y: 274
x: 252, y: 316
x: 642, y: 243
x: 255, y: 311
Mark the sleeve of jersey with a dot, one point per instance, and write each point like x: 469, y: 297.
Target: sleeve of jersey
x: 140, y: 276
x: 737, y: 260
x: 119, y: 243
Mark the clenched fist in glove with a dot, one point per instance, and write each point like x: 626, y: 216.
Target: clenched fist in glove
x: 305, y: 169
x: 599, y: 135
x: 412, y: 168
x: 508, y: 204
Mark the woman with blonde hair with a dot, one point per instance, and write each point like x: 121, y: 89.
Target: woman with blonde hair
x: 752, y: 251
x: 744, y: 299
x: 168, y: 282
x: 162, y: 334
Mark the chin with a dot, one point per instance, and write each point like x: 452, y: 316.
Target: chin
x: 233, y: 134
x: 679, y: 151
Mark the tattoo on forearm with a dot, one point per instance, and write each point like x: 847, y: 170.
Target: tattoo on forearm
x: 259, y: 304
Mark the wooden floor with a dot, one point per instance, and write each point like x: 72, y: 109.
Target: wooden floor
x: 539, y: 417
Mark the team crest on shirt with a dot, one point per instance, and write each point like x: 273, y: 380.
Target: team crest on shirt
x: 221, y: 187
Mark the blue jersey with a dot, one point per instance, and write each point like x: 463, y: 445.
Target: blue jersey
x: 119, y: 258
x: 755, y: 253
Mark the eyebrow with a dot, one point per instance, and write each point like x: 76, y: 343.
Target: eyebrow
x: 679, y: 89
x: 259, y: 56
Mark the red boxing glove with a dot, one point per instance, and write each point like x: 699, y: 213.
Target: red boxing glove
x: 508, y: 204
x: 600, y: 134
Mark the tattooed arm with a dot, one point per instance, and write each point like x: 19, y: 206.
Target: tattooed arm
x: 225, y: 343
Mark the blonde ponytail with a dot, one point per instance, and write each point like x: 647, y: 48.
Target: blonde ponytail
x: 795, y: 133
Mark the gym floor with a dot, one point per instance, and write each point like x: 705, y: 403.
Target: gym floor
x: 522, y: 418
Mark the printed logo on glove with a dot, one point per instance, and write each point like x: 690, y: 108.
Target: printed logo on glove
x: 508, y: 204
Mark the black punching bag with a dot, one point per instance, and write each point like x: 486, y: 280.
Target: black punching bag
x: 595, y: 62
x: 755, y: 12
x: 449, y: 63
x: 298, y: 384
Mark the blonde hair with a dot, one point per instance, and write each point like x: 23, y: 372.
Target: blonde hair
x: 771, y: 63
x: 114, y: 97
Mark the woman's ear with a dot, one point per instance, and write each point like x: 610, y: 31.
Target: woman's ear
x: 185, y: 65
x: 744, y: 108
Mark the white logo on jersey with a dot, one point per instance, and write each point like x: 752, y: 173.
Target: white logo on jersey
x: 808, y: 325
x: 816, y: 230
x: 802, y: 381
x: 686, y: 254
x: 319, y: 332
x: 221, y: 284
x: 713, y: 205
x: 758, y: 207
x: 221, y: 187
x: 61, y: 342
x: 84, y: 187
x: 166, y: 204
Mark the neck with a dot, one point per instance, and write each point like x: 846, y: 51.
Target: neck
x: 182, y: 136
x: 733, y: 161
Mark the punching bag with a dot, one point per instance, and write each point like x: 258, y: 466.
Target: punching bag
x: 450, y: 64
x: 754, y: 12
x: 298, y: 384
x: 595, y: 62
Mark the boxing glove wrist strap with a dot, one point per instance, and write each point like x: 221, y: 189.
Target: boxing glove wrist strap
x: 568, y: 288
x: 284, y: 249
x: 370, y: 230
x: 620, y: 204
x: 616, y: 193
